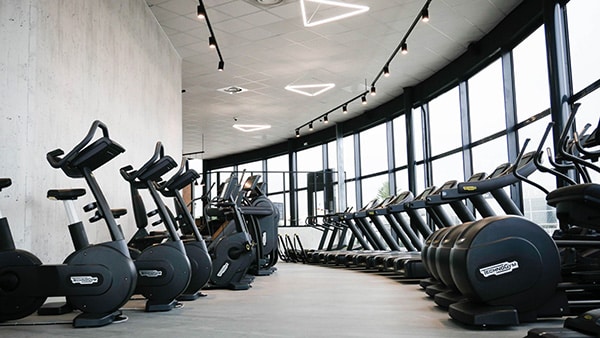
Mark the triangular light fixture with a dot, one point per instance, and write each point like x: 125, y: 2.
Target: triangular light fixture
x: 248, y: 128
x: 306, y: 89
x: 310, y: 21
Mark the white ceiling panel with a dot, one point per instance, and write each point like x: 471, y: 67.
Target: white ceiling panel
x: 266, y: 48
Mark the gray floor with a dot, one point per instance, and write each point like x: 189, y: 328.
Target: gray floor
x: 297, y: 301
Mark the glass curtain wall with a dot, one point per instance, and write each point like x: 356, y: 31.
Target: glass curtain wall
x: 511, y: 90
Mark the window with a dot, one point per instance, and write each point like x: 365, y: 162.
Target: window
x: 399, y: 125
x: 583, y: 41
x: 277, y: 176
x: 373, y: 150
x: 309, y: 160
x: 444, y: 120
x: 532, y: 91
x: 486, y: 102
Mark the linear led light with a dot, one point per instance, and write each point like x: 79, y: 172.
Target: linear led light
x: 355, y: 10
x: 299, y: 88
x: 248, y: 128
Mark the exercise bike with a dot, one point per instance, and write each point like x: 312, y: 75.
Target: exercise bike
x: 164, y: 270
x: 195, y: 246
x: 95, y: 279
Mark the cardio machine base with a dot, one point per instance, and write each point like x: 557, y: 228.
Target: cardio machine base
x: 54, y: 309
x: 188, y: 297
x: 483, y: 315
x: 98, y: 319
x: 157, y: 306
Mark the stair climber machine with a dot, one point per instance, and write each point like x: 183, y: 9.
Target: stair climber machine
x: 95, y: 279
x: 231, y: 247
x: 195, y: 247
x: 262, y: 218
x: 164, y: 270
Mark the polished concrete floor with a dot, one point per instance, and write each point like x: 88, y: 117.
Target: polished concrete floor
x: 297, y: 301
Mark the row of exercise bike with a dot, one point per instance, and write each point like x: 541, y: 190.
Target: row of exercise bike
x: 236, y: 243
x: 492, y: 270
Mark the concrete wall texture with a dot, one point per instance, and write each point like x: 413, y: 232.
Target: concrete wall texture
x: 64, y: 64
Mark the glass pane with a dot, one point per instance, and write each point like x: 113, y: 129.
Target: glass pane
x: 444, y: 119
x: 402, y: 181
x: 302, y: 207
x: 373, y: 150
x: 349, y: 156
x: 486, y: 102
x: 351, y: 195
x: 488, y: 156
x: 532, y: 92
x: 447, y: 168
x: 375, y: 187
x: 252, y: 168
x: 399, y: 124
x: 309, y: 160
x: 332, y: 155
x: 584, y: 29
x: 277, y: 176
x: 417, y: 116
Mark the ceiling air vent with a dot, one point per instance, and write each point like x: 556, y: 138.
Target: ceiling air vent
x: 232, y: 90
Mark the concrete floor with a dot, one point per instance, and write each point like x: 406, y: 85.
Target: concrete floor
x: 297, y: 301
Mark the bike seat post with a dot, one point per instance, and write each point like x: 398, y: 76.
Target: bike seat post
x: 71, y: 211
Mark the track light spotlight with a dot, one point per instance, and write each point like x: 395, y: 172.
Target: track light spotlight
x: 425, y: 15
x: 404, y: 49
x: 364, y: 99
x: 345, y: 109
x: 326, y: 119
x: 297, y: 132
x: 221, y: 65
x: 310, y: 126
x: 373, y: 91
x: 386, y: 71
x: 212, y: 43
x: 201, y: 10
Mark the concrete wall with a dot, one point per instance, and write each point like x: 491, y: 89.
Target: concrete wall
x: 64, y: 64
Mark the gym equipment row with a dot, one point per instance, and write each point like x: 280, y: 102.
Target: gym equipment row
x: 165, y: 267
x: 497, y: 270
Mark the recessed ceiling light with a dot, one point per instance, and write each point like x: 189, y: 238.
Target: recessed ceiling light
x: 306, y: 89
x: 308, y: 19
x: 248, y: 128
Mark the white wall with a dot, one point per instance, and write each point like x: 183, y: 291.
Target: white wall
x: 64, y: 64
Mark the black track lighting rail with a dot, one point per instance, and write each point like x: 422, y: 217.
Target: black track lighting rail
x: 385, y: 71
x: 212, y: 38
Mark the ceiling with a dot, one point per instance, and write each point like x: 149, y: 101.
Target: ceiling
x: 267, y: 47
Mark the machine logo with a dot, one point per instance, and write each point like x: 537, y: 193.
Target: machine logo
x: 84, y: 280
x: 264, y: 238
x: 499, y: 269
x: 150, y: 273
x: 223, y: 269
x: 469, y: 188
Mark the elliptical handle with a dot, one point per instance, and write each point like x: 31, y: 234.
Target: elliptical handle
x: 56, y: 161
x: 515, y: 170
